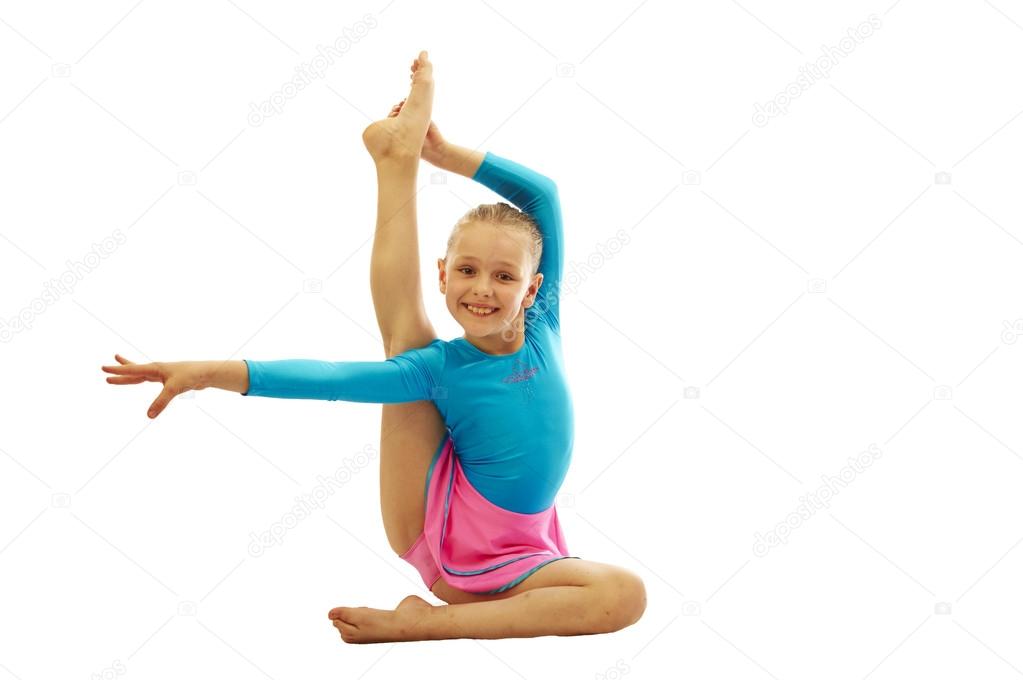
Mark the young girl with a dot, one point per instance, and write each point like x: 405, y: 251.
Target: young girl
x: 474, y: 514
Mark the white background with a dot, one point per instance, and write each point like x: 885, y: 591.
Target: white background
x: 815, y: 281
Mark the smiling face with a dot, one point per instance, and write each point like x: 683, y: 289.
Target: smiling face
x: 488, y: 268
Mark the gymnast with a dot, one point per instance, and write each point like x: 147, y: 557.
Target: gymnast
x: 474, y: 513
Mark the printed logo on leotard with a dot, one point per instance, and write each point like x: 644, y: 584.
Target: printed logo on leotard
x: 521, y: 375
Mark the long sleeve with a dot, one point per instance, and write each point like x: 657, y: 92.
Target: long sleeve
x: 409, y: 376
x: 537, y: 195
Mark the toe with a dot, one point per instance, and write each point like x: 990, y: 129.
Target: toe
x: 339, y: 613
x: 348, y: 632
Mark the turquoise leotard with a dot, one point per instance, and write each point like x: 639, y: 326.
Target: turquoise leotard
x: 509, y: 416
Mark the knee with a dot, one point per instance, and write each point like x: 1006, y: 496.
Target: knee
x: 622, y: 601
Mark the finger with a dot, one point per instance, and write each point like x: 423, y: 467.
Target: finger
x: 161, y: 402
x: 122, y: 359
x: 125, y: 380
x: 133, y: 369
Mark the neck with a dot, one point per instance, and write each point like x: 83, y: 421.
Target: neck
x: 506, y: 341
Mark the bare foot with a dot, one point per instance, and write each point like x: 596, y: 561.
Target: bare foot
x: 433, y: 145
x: 362, y: 625
x: 403, y: 133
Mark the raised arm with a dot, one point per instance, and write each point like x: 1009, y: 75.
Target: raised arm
x: 530, y: 192
x: 537, y: 195
x: 526, y: 189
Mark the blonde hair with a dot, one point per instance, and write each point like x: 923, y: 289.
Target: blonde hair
x: 503, y: 215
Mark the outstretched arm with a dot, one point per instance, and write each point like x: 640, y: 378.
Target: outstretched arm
x: 409, y: 376
x: 179, y: 377
x: 395, y: 380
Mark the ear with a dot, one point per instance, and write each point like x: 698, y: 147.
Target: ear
x: 442, y: 267
x: 534, y: 288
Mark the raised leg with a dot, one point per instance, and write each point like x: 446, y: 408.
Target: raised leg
x: 410, y: 432
x: 573, y: 597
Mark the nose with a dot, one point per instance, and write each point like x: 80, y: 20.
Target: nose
x: 481, y: 288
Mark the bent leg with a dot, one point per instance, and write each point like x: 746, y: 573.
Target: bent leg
x: 558, y: 573
x: 575, y: 597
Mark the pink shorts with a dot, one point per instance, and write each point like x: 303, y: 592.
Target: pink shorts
x: 474, y: 545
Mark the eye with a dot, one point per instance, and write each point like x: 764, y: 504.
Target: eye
x: 462, y: 269
x: 510, y: 277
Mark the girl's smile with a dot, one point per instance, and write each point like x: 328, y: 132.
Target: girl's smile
x: 481, y: 311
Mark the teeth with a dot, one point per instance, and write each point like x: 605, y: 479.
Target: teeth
x: 479, y: 311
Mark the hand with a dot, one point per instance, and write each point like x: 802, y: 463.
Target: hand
x: 177, y: 377
x: 433, y: 144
